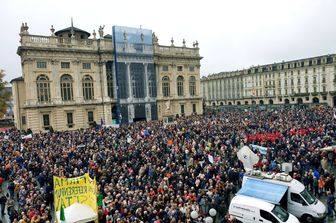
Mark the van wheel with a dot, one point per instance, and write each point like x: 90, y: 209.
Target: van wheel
x: 307, y: 218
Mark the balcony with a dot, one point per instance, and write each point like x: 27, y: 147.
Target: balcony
x: 301, y: 94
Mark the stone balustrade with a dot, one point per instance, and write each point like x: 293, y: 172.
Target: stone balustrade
x: 176, y: 51
x: 59, y: 42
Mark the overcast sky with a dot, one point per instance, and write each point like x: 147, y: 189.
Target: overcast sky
x: 232, y: 34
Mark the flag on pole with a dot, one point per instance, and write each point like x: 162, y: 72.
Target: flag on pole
x: 62, y: 215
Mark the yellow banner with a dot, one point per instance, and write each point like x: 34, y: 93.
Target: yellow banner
x: 81, y: 190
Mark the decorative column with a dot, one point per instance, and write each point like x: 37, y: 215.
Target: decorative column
x: 148, y: 112
x: 129, y: 80
x: 146, y: 81
x: 31, y: 91
x: 130, y: 113
x: 77, y: 84
x: 56, y: 82
x: 115, y: 87
x: 104, y: 82
x: 158, y: 81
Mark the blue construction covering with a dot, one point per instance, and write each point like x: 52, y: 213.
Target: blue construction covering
x: 267, y: 191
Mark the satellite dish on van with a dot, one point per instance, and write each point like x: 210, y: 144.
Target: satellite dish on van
x: 287, y: 167
x: 247, y: 157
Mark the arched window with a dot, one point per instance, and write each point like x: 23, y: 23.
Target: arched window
x: 88, y: 92
x: 66, y: 88
x: 180, y: 86
x: 192, y: 86
x: 165, y: 86
x: 43, y: 88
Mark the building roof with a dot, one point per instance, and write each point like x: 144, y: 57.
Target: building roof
x: 69, y: 30
x: 108, y: 36
x: 17, y: 79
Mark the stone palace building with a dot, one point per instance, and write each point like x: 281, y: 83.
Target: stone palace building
x: 303, y: 81
x: 70, y: 80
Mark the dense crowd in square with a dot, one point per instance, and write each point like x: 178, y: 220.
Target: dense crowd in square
x: 147, y: 172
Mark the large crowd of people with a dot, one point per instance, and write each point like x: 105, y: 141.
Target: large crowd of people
x: 147, y: 172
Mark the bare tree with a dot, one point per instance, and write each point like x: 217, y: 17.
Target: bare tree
x: 4, y: 95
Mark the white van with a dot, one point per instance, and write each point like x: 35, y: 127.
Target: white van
x: 289, y: 193
x: 248, y: 209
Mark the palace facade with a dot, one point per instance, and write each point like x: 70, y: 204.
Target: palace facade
x: 303, y: 81
x: 71, y: 80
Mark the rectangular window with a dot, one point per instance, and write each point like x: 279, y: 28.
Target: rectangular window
x: 165, y: 68
x: 46, y: 121
x: 41, y: 64
x: 90, y: 117
x: 23, y: 120
x: 194, y: 108
x: 70, y: 119
x: 323, y: 68
x: 179, y: 68
x: 87, y: 66
x: 306, y: 90
x: 182, y: 109
x: 65, y: 65
x: 191, y: 68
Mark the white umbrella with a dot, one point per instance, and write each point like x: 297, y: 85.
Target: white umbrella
x: 77, y: 213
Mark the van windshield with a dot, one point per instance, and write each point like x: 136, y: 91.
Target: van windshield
x: 281, y: 213
x: 308, y: 197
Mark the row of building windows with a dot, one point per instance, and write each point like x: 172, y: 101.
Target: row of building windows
x: 179, y: 68
x: 180, y: 86
x: 328, y: 60
x: 43, y: 88
x: 69, y: 120
x: 64, y: 65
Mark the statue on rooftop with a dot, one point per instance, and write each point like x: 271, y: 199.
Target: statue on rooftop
x: 101, y: 31
x: 24, y: 28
